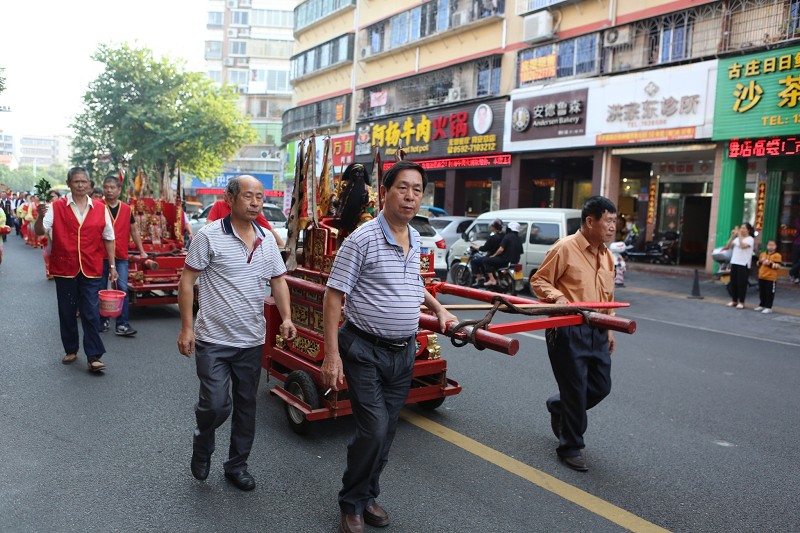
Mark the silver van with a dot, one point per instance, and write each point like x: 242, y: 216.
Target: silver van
x: 539, y: 228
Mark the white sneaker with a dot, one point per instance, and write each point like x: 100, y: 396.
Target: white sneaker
x: 730, y: 304
x: 766, y: 311
x: 759, y: 308
x: 740, y: 306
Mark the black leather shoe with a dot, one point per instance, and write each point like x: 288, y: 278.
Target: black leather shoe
x: 351, y: 523
x: 576, y: 462
x: 243, y: 480
x: 200, y: 468
x: 375, y: 516
x: 555, y: 424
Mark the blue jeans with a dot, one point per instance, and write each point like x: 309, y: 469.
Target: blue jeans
x: 122, y: 285
x: 79, y: 293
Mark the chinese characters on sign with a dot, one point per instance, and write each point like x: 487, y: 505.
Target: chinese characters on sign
x: 763, y: 147
x: 499, y: 160
x: 537, y: 68
x: 457, y: 131
x: 651, y: 204
x: 342, y: 150
x: 758, y: 95
x: 761, y: 201
x: 553, y: 115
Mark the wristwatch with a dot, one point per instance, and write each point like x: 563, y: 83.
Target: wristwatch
x: 112, y: 266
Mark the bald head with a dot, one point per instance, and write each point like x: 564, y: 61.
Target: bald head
x: 237, y: 183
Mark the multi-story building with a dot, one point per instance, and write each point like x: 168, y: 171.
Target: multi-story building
x: 7, y: 151
x: 546, y: 102
x: 248, y: 46
x: 40, y: 151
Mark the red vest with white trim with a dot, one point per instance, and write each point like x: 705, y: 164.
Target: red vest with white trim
x: 78, y: 247
x: 122, y: 230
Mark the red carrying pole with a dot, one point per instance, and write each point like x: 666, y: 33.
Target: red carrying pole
x: 483, y: 338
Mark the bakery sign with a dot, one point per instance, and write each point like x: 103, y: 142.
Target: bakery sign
x: 545, y: 117
x: 456, y: 131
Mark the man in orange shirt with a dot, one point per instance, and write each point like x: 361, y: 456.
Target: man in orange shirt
x: 579, y: 268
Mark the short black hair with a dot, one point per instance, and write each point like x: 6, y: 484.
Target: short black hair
x: 77, y: 170
x: 391, y: 174
x: 596, y: 206
x: 111, y: 177
x: 97, y: 190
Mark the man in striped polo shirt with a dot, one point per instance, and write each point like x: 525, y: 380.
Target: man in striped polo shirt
x: 378, y: 268
x: 233, y: 259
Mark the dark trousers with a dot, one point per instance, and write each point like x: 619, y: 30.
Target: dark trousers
x: 766, y: 292
x: 378, y: 380
x: 476, y: 264
x: 223, y: 369
x: 74, y: 294
x: 581, y: 365
x: 739, y: 275
x: 795, y: 270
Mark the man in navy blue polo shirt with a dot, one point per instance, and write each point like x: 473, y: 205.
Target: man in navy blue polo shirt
x: 378, y: 268
x: 233, y: 258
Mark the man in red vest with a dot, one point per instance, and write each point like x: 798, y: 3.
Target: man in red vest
x: 125, y: 228
x: 81, y: 232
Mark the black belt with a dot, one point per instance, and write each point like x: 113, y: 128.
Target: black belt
x: 393, y: 344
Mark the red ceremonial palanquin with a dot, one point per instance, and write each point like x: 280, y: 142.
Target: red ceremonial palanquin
x: 77, y: 247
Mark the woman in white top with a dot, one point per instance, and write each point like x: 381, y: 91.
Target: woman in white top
x: 741, y: 242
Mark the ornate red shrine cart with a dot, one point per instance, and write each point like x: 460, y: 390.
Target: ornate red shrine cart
x: 153, y: 280
x: 297, y: 364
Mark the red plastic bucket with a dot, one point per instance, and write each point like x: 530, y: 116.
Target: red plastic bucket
x: 111, y: 302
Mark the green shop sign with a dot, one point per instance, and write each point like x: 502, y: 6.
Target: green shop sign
x: 758, y: 95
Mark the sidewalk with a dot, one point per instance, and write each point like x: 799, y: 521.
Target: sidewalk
x: 677, y: 281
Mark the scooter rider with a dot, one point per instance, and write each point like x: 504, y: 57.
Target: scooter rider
x: 477, y: 263
x: 509, y: 252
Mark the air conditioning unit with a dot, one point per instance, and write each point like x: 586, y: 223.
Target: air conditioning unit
x: 233, y: 4
x: 454, y: 94
x: 228, y: 61
x: 244, y: 32
x: 619, y: 36
x: 458, y: 19
x: 537, y: 27
x: 364, y: 52
x: 241, y: 90
x: 233, y: 32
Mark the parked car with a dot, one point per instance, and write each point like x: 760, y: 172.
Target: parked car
x: 272, y: 212
x: 451, y: 228
x: 539, y: 228
x: 431, y: 240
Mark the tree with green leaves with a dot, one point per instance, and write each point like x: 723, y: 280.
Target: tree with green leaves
x: 25, y: 177
x: 141, y: 110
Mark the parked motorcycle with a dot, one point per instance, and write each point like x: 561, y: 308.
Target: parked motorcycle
x: 661, y: 251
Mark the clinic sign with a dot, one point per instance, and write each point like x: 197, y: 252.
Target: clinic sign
x: 653, y: 106
x: 758, y: 95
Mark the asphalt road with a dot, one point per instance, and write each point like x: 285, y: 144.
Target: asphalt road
x: 699, y: 433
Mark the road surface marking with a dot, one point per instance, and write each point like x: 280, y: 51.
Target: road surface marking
x: 531, y: 335
x: 549, y: 483
x: 703, y: 328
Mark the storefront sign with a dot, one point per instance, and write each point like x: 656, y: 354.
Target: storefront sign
x: 758, y: 95
x: 461, y: 130
x: 211, y: 190
x: 651, y: 204
x: 537, y: 68
x: 761, y: 201
x: 763, y: 147
x: 499, y: 160
x: 342, y: 149
x: 654, y: 106
x: 554, y: 115
x: 220, y: 182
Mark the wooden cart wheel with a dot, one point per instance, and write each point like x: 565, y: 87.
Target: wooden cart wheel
x: 300, y: 385
x: 431, y: 405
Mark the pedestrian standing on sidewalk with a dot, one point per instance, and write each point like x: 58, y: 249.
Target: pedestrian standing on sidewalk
x: 125, y: 229
x: 768, y: 264
x: 579, y: 268
x: 377, y: 267
x: 80, y: 230
x: 741, y: 242
x: 232, y: 259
